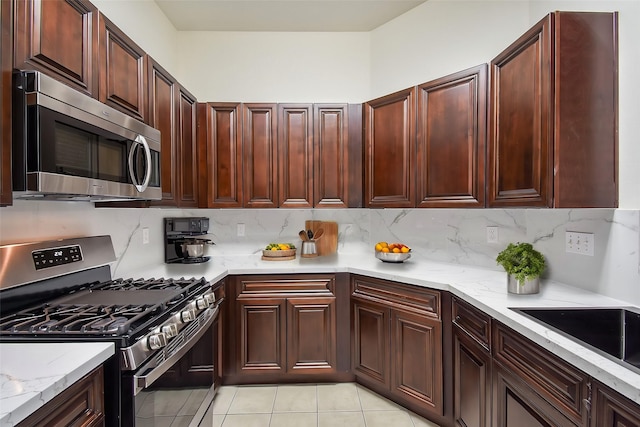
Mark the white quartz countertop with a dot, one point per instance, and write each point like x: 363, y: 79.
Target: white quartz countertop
x: 484, y: 288
x: 33, y: 374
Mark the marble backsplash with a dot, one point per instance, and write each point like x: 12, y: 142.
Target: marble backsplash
x: 448, y: 235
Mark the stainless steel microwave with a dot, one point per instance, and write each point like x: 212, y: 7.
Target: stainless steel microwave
x: 69, y: 146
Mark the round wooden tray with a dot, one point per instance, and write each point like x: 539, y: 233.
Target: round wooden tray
x: 286, y: 255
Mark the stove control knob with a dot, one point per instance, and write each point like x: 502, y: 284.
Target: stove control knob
x: 170, y: 330
x: 202, y: 303
x: 209, y: 298
x: 156, y: 341
x: 187, y: 316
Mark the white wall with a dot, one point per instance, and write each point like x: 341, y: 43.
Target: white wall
x: 275, y: 66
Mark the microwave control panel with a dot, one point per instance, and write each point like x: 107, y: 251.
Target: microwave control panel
x: 46, y: 258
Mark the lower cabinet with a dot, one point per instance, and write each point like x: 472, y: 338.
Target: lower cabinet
x: 397, y: 342
x: 609, y: 408
x: 285, y: 329
x: 82, y: 404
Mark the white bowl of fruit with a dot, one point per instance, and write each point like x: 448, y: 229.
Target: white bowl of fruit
x: 392, y: 252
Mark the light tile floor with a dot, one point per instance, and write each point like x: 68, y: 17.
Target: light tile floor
x: 306, y: 405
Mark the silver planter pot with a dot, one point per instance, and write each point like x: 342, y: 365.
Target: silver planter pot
x: 527, y: 287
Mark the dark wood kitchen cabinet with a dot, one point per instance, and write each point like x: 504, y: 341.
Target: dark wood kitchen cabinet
x: 260, y: 155
x: 59, y: 38
x: 187, y: 149
x: 389, y: 150
x: 285, y: 329
x: 471, y: 365
x: 123, y: 79
x: 82, y: 404
x: 610, y: 409
x: 6, y: 58
x: 553, y: 119
x: 452, y: 118
x: 295, y: 156
x: 220, y: 155
x: 397, y: 342
x: 532, y: 386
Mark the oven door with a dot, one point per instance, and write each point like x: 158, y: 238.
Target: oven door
x: 158, y: 401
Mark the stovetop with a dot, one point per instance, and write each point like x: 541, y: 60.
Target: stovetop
x: 114, y: 308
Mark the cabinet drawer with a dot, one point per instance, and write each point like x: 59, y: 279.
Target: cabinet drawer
x: 307, y: 284
x: 555, y: 380
x: 472, y: 321
x: 397, y: 295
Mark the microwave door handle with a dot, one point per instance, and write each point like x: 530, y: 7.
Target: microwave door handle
x: 140, y: 140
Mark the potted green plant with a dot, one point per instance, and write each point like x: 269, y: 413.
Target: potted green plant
x: 524, y: 265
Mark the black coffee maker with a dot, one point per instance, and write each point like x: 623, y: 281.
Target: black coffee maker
x: 182, y: 241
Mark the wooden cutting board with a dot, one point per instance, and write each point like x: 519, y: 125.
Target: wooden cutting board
x: 328, y: 243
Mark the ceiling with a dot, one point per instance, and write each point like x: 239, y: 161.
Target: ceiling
x: 283, y: 15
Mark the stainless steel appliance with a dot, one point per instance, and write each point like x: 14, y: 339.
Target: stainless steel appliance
x: 69, y: 146
x: 61, y: 291
x: 183, y: 241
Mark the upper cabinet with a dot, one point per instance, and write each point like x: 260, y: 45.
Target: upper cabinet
x: 280, y: 155
x: 59, y: 38
x: 220, y: 154
x: 172, y: 110
x: 6, y: 51
x: 553, y: 119
x: 123, y: 80
x: 452, y: 120
x: 260, y: 155
x: 389, y: 150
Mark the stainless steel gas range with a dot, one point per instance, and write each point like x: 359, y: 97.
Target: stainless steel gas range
x: 62, y: 291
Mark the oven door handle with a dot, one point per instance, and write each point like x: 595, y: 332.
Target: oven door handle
x: 143, y: 381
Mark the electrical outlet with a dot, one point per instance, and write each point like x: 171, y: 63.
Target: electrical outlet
x: 240, y: 230
x: 579, y: 243
x: 492, y: 234
x: 145, y: 236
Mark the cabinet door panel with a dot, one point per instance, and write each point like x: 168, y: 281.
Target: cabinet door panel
x: 416, y: 372
x: 162, y: 91
x: 311, y: 334
x: 472, y: 382
x: 371, y: 341
x: 260, y: 163
x: 613, y: 410
x: 122, y: 71
x: 187, y: 149
x: 6, y: 53
x: 295, y: 155
x: 521, y: 127
x: 223, y: 142
x: 59, y: 38
x: 451, y: 140
x: 390, y: 150
x: 262, y: 335
x: 331, y: 160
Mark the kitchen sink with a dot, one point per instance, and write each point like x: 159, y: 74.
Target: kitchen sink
x: 613, y: 332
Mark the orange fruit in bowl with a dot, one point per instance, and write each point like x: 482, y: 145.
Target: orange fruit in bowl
x: 378, y: 247
x: 405, y: 249
x: 385, y: 249
x: 396, y: 250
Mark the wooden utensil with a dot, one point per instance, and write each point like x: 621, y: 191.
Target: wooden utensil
x: 318, y: 234
x: 303, y: 236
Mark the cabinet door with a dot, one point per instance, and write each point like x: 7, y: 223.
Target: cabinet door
x: 610, y: 409
x: 187, y: 149
x: 471, y: 382
x: 220, y: 148
x: 262, y: 335
x: 122, y: 71
x: 520, y: 149
x: 60, y: 39
x: 295, y: 156
x: 515, y: 404
x: 162, y: 107
x: 371, y: 341
x: 6, y: 52
x: 451, y: 140
x: 260, y: 162
x: 390, y: 150
x: 331, y: 161
x: 416, y: 359
x: 311, y: 335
